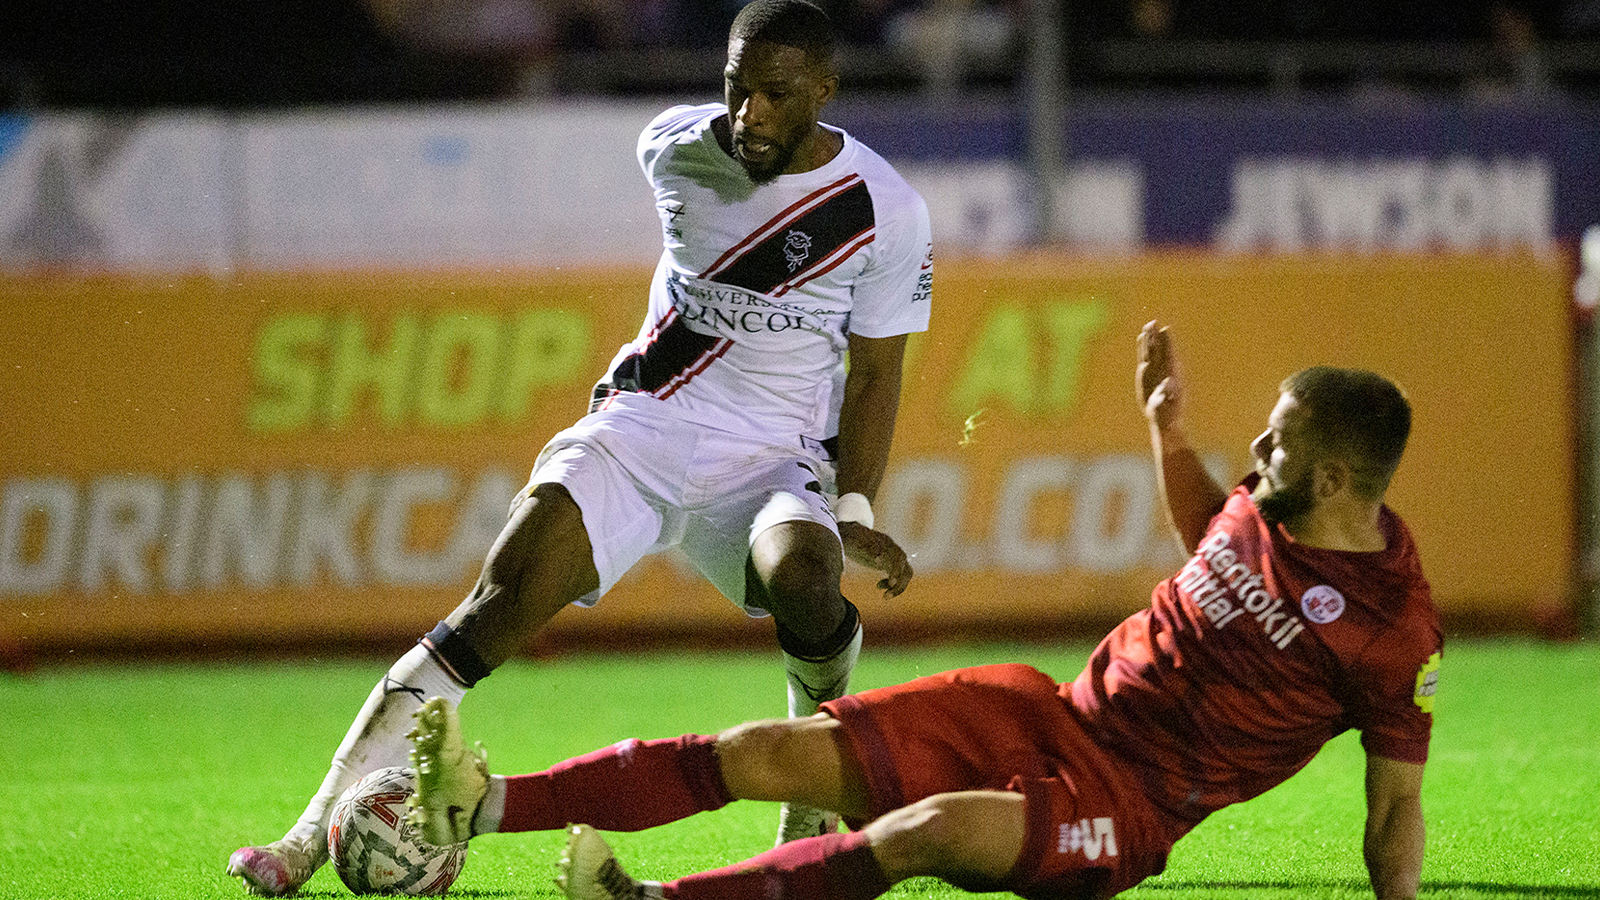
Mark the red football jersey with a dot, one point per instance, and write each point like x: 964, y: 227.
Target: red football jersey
x: 1259, y: 651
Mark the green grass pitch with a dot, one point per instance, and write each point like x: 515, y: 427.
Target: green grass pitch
x: 137, y: 781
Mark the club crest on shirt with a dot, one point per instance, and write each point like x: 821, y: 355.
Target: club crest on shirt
x: 796, y: 248
x: 1322, y: 604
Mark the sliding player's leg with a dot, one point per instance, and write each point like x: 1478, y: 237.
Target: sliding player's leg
x: 630, y: 785
x: 969, y: 838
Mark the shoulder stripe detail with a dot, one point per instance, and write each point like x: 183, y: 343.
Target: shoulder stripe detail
x: 848, y: 204
x: 811, y: 231
x: 776, y: 222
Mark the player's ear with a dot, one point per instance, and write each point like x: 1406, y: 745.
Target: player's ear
x: 827, y: 87
x: 1330, y: 476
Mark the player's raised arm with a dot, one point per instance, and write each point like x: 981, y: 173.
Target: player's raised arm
x: 866, y: 429
x: 1191, y: 496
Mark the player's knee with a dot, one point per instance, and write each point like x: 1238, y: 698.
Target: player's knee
x: 798, y: 565
x: 945, y: 835
x: 801, y: 579
x: 774, y: 759
x: 913, y: 840
x: 808, y: 608
x: 543, y: 555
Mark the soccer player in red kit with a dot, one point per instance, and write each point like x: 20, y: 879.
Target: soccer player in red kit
x: 1302, y: 612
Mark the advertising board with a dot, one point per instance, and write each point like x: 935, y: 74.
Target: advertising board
x: 272, y: 457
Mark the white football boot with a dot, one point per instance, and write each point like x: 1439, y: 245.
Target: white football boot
x: 796, y: 821
x: 276, y: 870
x: 588, y: 870
x: 451, y: 779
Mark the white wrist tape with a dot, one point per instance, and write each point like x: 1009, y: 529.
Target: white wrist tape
x: 853, y: 507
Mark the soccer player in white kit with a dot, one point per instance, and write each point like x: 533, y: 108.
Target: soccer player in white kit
x: 728, y: 428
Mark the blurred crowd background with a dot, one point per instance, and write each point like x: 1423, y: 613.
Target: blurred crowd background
x: 271, y: 53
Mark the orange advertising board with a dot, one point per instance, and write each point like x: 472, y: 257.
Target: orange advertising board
x: 209, y: 460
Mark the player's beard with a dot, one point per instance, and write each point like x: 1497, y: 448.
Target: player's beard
x: 1280, y: 503
x: 765, y: 170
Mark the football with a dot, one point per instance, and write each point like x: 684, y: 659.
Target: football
x: 376, y: 852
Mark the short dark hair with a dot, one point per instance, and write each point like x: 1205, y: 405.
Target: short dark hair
x: 1355, y: 415
x: 790, y: 23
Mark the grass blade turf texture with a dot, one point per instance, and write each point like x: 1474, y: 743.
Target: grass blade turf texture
x: 137, y: 781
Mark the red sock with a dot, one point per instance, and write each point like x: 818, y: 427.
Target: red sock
x: 627, y: 786
x: 833, y: 866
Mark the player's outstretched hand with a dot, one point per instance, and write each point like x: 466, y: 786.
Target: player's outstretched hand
x: 1157, y: 377
x: 878, y: 550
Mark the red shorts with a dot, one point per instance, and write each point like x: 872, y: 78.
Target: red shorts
x: 1091, y: 832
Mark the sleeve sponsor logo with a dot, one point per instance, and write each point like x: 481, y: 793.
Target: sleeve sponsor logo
x: 1427, y: 684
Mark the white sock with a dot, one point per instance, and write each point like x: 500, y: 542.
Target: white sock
x: 812, y: 682
x: 492, y: 808
x: 377, y: 737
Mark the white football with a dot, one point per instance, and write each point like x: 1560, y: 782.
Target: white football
x: 376, y: 852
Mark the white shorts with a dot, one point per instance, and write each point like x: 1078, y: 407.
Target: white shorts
x: 648, y: 481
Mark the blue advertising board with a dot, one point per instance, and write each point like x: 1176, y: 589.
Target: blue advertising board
x: 1395, y: 172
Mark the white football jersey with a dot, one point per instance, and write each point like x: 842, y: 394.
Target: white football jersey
x: 759, y: 285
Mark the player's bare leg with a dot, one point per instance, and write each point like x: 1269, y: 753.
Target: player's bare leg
x: 541, y: 562
x: 767, y: 760
x: 797, y: 566
x: 955, y: 836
